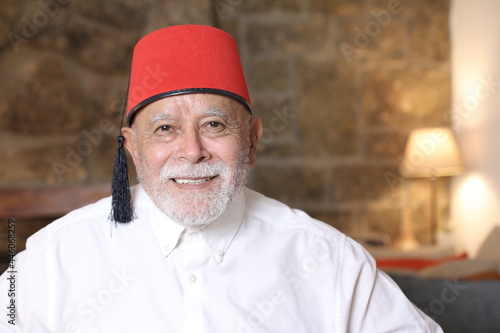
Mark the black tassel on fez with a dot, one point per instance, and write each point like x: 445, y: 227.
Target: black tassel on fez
x: 121, y: 200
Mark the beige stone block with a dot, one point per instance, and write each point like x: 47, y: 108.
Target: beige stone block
x: 277, y: 150
x: 294, y: 185
x: 101, y: 160
x: 278, y: 118
x: 431, y: 31
x: 358, y: 183
x: 407, y: 98
x: 106, y: 97
x: 100, y: 141
x: 227, y: 9
x: 10, y: 15
x: 70, y: 25
x: 338, y: 7
x: 385, y: 145
x: 128, y: 15
x: 175, y: 12
x: 312, y: 36
x: 395, y: 7
x: 54, y: 35
x: 371, y: 40
x: 43, y: 96
x: 278, y: 122
x: 269, y: 74
x: 98, y: 46
x: 327, y: 117
x: 31, y: 161
x: 231, y: 26
x: 383, y: 220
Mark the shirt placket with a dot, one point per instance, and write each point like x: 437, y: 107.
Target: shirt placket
x: 195, y: 256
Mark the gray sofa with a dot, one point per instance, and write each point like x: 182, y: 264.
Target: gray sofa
x: 462, y: 295
x: 459, y: 306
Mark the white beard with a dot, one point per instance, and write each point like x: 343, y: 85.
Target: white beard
x: 196, y: 209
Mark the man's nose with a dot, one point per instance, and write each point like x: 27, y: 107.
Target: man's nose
x: 192, y: 148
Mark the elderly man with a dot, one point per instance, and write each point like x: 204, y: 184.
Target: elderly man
x: 201, y: 253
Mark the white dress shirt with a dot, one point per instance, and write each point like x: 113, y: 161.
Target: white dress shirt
x: 261, y: 267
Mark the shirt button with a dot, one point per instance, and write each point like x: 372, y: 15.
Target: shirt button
x: 194, y: 235
x: 166, y: 248
x: 192, y: 278
x: 220, y: 253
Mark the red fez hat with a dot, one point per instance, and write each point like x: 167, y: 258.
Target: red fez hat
x: 185, y: 59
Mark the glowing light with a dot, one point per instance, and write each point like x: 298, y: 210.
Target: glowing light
x: 473, y: 193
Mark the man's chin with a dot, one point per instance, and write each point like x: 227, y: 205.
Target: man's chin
x: 192, y: 225
x: 194, y: 212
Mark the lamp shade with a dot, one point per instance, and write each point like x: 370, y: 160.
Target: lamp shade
x: 431, y: 152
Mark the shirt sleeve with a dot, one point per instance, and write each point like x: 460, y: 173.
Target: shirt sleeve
x: 371, y: 301
x: 24, y: 293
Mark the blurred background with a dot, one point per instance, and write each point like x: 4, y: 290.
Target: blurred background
x: 339, y: 85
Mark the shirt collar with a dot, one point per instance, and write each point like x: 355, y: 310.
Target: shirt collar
x: 218, y: 236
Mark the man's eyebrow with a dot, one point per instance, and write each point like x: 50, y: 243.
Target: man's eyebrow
x: 219, y: 113
x: 159, y: 117
x: 215, y: 112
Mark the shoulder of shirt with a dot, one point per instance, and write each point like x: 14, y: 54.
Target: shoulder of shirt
x: 279, y: 215
x: 262, y: 209
x: 86, y: 217
x: 98, y: 211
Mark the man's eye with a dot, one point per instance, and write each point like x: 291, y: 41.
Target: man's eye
x: 214, y: 124
x: 214, y: 127
x: 165, y: 128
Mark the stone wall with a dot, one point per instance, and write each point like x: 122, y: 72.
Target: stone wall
x: 338, y: 84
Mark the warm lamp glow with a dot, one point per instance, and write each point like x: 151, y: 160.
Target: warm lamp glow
x: 472, y: 195
x: 431, y: 152
x: 473, y: 199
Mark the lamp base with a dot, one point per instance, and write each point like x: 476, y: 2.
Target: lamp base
x: 405, y: 243
x: 406, y: 240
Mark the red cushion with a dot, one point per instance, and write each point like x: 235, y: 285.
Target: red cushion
x: 415, y: 263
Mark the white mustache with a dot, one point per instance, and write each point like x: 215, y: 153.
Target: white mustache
x: 201, y: 170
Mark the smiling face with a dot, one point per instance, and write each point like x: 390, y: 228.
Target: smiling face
x: 192, y: 154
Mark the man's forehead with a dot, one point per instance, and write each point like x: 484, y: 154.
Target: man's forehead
x: 192, y: 104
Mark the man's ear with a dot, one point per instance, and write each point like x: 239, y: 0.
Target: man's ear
x: 131, y: 143
x: 255, y: 134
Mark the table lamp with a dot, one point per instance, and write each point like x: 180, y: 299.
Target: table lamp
x: 432, y: 152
